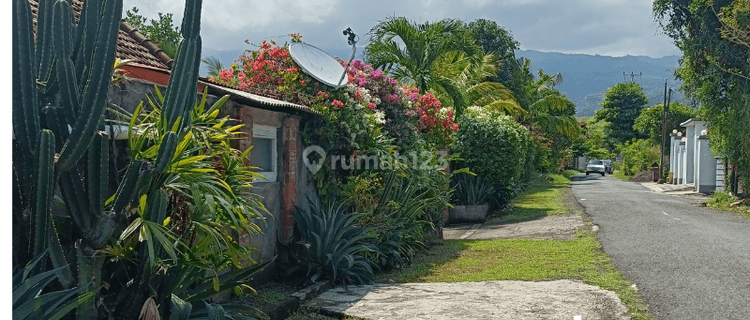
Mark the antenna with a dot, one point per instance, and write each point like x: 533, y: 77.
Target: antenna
x: 352, y: 40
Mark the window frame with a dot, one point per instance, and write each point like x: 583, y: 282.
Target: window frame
x: 268, y: 132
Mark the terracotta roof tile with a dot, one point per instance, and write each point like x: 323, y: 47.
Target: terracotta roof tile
x: 131, y: 44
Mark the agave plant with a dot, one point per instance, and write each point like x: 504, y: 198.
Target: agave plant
x: 329, y: 244
x: 473, y: 190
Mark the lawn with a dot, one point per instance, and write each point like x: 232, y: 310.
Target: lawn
x: 525, y: 259
x: 541, y: 198
x: 619, y: 174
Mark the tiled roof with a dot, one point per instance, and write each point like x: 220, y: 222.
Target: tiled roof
x: 131, y: 44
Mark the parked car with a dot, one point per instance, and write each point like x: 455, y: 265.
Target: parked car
x: 608, y: 167
x: 596, y: 166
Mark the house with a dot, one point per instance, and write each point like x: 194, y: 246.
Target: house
x: 271, y: 127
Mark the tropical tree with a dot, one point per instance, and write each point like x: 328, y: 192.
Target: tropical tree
x: 471, y: 79
x: 160, y: 31
x: 713, y: 37
x: 410, y: 52
x: 513, y: 73
x: 621, y: 106
x: 649, y: 122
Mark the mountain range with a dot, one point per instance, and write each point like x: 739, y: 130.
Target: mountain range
x: 587, y: 77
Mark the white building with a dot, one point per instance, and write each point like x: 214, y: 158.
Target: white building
x: 690, y: 158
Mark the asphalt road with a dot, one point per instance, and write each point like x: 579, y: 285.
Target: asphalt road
x: 688, y: 262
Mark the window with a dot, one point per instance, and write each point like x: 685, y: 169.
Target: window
x: 264, y: 154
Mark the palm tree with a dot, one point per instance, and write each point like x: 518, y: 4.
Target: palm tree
x: 214, y: 65
x: 410, y: 52
x: 550, y: 110
x: 470, y: 78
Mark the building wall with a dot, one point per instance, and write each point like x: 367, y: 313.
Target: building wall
x: 279, y: 197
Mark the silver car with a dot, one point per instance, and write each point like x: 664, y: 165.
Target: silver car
x: 596, y: 166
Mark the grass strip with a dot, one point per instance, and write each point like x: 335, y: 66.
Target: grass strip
x: 525, y: 259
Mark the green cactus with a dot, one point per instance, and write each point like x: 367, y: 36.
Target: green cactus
x: 60, y: 92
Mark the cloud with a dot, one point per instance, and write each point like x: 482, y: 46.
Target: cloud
x: 606, y: 27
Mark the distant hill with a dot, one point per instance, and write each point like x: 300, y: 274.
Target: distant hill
x: 587, y: 77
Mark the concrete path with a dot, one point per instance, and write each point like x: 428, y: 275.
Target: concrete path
x: 557, y: 227
x: 688, y: 262
x: 516, y: 300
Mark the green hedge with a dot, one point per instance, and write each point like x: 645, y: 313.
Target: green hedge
x: 495, y: 147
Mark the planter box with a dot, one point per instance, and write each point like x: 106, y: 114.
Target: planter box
x: 465, y: 214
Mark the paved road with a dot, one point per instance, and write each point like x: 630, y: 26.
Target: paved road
x: 688, y: 262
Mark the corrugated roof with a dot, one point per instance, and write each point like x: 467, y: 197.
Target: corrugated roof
x: 254, y: 100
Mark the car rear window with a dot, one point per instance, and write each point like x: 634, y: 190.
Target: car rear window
x: 595, y: 162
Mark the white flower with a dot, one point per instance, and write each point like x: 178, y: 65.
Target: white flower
x: 380, y: 117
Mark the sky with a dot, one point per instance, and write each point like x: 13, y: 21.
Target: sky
x: 604, y: 27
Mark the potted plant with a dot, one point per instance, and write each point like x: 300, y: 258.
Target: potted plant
x: 471, y: 199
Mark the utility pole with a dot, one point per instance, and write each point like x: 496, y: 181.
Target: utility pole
x: 664, y: 131
x: 632, y: 76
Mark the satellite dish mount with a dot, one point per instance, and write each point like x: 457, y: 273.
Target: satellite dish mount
x: 353, y: 38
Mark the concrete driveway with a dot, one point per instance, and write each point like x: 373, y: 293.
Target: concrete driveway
x: 490, y: 300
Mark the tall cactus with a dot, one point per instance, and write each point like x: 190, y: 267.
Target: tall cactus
x: 60, y: 91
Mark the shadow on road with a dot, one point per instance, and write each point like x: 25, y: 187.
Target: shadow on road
x: 583, y: 179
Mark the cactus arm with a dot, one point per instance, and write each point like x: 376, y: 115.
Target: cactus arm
x: 97, y: 87
x: 126, y: 190
x: 25, y: 101
x: 98, y: 172
x: 86, y: 37
x: 180, y: 97
x: 63, y: 45
x: 44, y: 55
x: 45, y: 184
x: 181, y: 89
x: 166, y: 151
x: 73, y: 192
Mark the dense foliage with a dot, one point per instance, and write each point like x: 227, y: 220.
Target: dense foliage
x: 621, y: 106
x: 650, y: 120
x: 493, y: 146
x: 713, y: 37
x: 639, y: 155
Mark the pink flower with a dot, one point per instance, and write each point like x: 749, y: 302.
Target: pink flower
x: 371, y: 105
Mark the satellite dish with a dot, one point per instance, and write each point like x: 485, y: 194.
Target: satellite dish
x: 317, y: 64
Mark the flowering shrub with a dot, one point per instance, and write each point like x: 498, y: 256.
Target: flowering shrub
x: 435, y: 121
x: 269, y: 71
